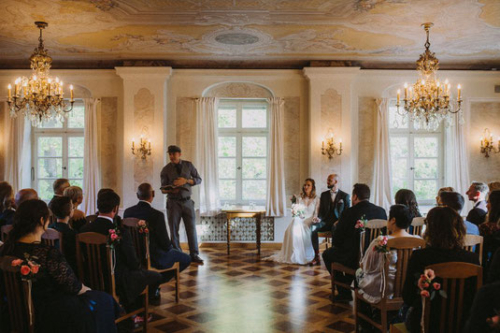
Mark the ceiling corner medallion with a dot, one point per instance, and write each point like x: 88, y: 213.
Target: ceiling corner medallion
x: 237, y: 40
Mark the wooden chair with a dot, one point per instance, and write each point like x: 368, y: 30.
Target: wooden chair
x: 17, y: 291
x: 418, y: 224
x: 51, y: 237
x: 404, y: 247
x: 453, y: 275
x: 4, y: 231
x: 91, y: 218
x: 327, y: 235
x: 141, y: 244
x: 474, y: 243
x: 94, y: 259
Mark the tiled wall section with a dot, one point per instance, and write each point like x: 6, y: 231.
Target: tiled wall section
x: 214, y: 229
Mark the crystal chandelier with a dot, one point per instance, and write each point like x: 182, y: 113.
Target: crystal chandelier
x: 39, y: 97
x: 428, y: 101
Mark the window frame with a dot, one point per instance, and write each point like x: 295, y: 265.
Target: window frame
x: 411, y: 133
x: 65, y: 133
x: 239, y: 133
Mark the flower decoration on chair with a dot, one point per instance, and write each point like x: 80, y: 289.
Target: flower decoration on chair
x: 428, y: 101
x: 114, y: 238
x: 143, y: 227
x: 28, y: 267
x: 361, y: 223
x: 39, y: 97
x: 381, y: 246
x: 429, y: 288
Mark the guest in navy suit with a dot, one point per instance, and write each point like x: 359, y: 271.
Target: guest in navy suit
x: 162, y: 253
x: 477, y: 193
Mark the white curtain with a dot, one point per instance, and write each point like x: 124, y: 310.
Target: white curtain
x: 457, y: 161
x: 207, y: 154
x: 276, y: 197
x: 91, y: 177
x: 18, y: 153
x: 382, y: 184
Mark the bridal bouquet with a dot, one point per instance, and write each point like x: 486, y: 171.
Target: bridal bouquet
x: 298, y: 210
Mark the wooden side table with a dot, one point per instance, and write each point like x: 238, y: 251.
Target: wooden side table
x: 244, y: 212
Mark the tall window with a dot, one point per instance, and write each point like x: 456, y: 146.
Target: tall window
x: 58, y: 149
x: 416, y: 157
x: 243, y: 135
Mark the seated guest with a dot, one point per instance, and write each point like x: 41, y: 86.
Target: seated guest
x: 370, y: 279
x: 59, y: 186
x: 345, y: 244
x: 62, y: 208
x: 162, y: 253
x: 60, y: 300
x: 24, y: 195
x: 443, y: 189
x: 75, y: 193
x: 494, y: 269
x: 445, y: 239
x: 7, y: 210
x: 456, y: 201
x: 485, y: 306
x: 130, y: 278
x: 407, y: 198
x: 477, y: 193
x: 490, y: 229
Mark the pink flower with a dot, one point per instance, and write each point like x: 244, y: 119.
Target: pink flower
x: 35, y: 268
x: 114, y: 236
x: 429, y: 274
x: 17, y: 262
x: 112, y: 231
x: 424, y: 293
x: 141, y: 231
x: 426, y: 285
x: 146, y: 230
x: 25, y: 270
x: 436, y: 286
x: 495, y: 320
x: 141, y: 223
x: 359, y: 224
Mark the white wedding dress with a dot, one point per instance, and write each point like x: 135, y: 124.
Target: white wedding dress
x: 297, y: 245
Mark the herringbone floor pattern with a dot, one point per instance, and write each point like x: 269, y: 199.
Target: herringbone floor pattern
x: 240, y: 294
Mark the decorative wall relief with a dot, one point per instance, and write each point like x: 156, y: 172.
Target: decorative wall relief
x: 238, y: 90
x: 214, y: 229
x: 483, y: 115
x: 186, y: 127
x: 108, y: 143
x: 292, y: 142
x: 331, y: 117
x: 366, y: 139
x: 144, y: 103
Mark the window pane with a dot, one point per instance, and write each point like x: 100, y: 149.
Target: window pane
x: 49, y: 146
x: 49, y: 167
x: 75, y: 168
x: 254, y: 146
x: 254, y: 190
x: 426, y: 147
x: 426, y: 189
x: 399, y: 146
x: 254, y: 117
x: 227, y: 189
x: 52, y: 123
x: 426, y: 168
x: 76, y: 148
x: 76, y: 182
x: 76, y: 118
x: 396, y: 120
x: 227, y: 168
x: 227, y: 118
x: 254, y: 168
x: 398, y: 184
x: 399, y: 168
x: 227, y: 146
x: 44, y: 189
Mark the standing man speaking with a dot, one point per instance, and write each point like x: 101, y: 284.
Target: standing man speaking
x: 177, y: 177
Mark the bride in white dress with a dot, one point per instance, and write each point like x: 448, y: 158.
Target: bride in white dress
x: 297, y: 245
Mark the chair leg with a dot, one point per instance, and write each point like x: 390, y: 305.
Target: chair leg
x: 356, y: 319
x: 383, y: 320
x: 177, y: 285
x: 146, y: 314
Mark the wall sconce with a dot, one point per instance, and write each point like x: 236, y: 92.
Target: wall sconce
x: 331, y: 148
x: 142, y: 150
x: 487, y: 143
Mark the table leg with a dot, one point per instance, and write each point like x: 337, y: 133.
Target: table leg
x: 258, y: 220
x: 228, y: 235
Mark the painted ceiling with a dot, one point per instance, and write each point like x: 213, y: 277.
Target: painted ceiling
x: 369, y: 33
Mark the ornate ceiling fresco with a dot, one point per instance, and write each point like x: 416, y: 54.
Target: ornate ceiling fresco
x: 370, y: 33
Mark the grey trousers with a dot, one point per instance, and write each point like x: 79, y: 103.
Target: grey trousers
x: 176, y: 210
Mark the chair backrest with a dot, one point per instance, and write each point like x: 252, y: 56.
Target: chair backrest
x: 94, y: 261
x: 140, y: 240
x: 90, y: 218
x: 453, y: 275
x: 470, y: 243
x: 404, y: 247
x: 374, y: 227
x: 4, y: 231
x: 418, y: 225
x: 21, y: 320
x: 51, y: 237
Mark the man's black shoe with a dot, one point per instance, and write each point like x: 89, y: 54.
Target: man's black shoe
x: 196, y: 259
x: 156, y: 298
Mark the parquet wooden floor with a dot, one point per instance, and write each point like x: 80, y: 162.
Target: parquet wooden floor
x: 241, y: 293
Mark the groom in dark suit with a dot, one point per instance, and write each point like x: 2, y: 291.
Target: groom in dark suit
x: 331, y: 206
